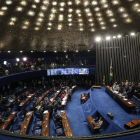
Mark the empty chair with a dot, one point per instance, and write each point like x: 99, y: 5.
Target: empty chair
x: 59, y: 131
x: 38, y: 123
x: 36, y: 131
x: 20, y: 116
x: 13, y: 130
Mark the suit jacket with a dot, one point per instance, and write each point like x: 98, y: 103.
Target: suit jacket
x: 50, y: 108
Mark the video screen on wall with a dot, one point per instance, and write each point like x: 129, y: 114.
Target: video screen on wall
x: 68, y: 71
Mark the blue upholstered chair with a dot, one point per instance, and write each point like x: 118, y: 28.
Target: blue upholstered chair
x: 38, y: 124
x: 36, y: 131
x: 59, y: 131
x: 13, y: 130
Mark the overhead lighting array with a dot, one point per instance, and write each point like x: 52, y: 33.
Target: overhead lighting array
x: 94, y: 11
x: 107, y: 38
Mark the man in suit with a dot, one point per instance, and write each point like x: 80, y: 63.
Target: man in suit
x: 50, y: 109
x: 8, y: 113
x: 58, y: 118
x: 98, y: 124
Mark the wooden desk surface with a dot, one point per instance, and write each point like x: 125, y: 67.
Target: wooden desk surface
x: 24, y: 126
x: 54, y: 96
x: 125, y: 101
x: 28, y: 98
x: 43, y: 95
x: 11, y: 103
x: 96, y: 86
x: 132, y: 124
x: 65, y: 122
x: 45, y: 124
x: 8, y: 120
x: 89, y: 121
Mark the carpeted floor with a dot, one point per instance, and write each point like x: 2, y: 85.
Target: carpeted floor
x: 101, y: 102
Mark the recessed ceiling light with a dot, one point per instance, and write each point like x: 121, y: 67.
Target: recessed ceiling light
x: 98, y: 39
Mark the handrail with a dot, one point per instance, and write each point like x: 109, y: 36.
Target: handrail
x: 101, y: 136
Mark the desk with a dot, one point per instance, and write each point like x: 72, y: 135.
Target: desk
x: 24, y: 126
x: 133, y: 124
x: 96, y: 86
x: 54, y: 96
x: 43, y: 95
x: 8, y: 120
x: 11, y: 103
x: 45, y: 124
x: 28, y: 98
x: 65, y: 122
x: 89, y: 121
x: 123, y: 102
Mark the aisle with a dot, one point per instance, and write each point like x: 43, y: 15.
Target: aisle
x: 74, y: 113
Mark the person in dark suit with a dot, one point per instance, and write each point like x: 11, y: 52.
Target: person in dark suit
x: 129, y: 92
x: 55, y: 106
x: 50, y: 109
x: 122, y: 86
x: 8, y: 113
x: 58, y: 118
x: 133, y: 88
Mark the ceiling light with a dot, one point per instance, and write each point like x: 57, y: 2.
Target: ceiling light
x: 9, y: 51
x: 21, y: 51
x: 70, y: 24
x: 24, y: 59
x: 119, y: 36
x: 17, y: 59
x: 54, y: 3
x: 108, y: 38
x: 132, y: 34
x: 37, y: 1
x: 36, y: 28
x: 98, y: 39
x: 69, y: 2
x: 23, y: 3
x: 94, y: 2
x: 8, y: 2
x: 33, y: 6
x: 76, y: 50
x: 114, y: 37
x: 31, y: 13
x: 11, y: 23
x: 31, y: 51
x: 4, y: 8
x: 24, y: 27
x: 1, y: 13
x: 19, y: 8
x: 62, y: 4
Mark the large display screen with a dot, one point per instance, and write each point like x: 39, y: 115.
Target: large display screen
x: 68, y: 71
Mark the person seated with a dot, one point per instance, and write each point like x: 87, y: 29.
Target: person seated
x: 98, y: 124
x: 63, y: 95
x: 8, y: 113
x: 114, y: 87
x: 58, y: 118
x: 1, y: 120
x: 9, y: 99
x: 118, y: 88
x: 83, y: 98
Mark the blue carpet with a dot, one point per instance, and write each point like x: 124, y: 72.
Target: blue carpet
x: 100, y: 102
x: 75, y: 114
x: 105, y: 104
